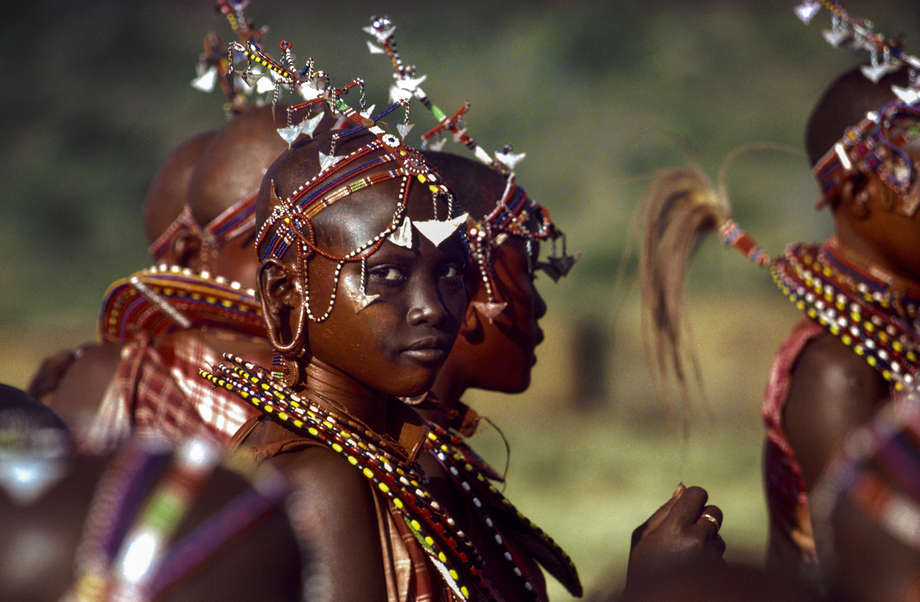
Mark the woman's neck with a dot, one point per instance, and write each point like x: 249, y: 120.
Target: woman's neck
x: 358, y: 400
x: 449, y: 387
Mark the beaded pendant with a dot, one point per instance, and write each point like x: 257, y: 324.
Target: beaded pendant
x: 854, y: 307
x: 402, y: 483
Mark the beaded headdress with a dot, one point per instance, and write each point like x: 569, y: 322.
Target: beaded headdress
x: 383, y: 159
x: 876, y: 143
x: 162, y: 299
x: 515, y: 213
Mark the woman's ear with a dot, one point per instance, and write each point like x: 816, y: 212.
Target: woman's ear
x: 185, y: 250
x: 282, y: 305
x: 471, y: 327
x: 854, y: 196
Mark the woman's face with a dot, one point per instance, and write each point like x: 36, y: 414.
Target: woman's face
x: 398, y: 341
x: 502, y: 354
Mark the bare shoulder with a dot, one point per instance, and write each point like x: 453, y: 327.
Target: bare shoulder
x: 832, y: 390
x: 333, y: 513
x: 80, y: 388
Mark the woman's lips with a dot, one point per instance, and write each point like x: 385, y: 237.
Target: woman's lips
x: 428, y: 349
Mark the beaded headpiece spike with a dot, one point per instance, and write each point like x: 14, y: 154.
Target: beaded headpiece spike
x: 383, y: 159
x: 876, y: 143
x: 214, y: 68
x: 514, y: 214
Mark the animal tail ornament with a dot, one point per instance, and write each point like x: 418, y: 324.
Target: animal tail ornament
x: 681, y: 208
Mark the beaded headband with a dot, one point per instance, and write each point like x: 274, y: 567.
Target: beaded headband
x: 876, y: 143
x: 514, y: 212
x: 383, y: 159
x: 232, y: 223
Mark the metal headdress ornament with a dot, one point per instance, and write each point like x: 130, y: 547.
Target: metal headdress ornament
x: 383, y: 159
x: 214, y: 68
x: 876, y: 143
x: 514, y: 214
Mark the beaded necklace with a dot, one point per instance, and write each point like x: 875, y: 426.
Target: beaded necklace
x: 853, y: 306
x: 471, y: 474
x: 376, y: 457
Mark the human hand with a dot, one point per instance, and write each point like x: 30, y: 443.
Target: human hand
x: 683, y: 532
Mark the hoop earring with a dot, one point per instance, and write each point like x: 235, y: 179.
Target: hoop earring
x: 295, y: 346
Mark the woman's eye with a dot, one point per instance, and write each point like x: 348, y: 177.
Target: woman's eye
x: 452, y: 271
x: 387, y: 274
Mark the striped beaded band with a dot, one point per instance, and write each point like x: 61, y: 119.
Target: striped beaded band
x: 887, y: 345
x: 162, y: 299
x: 402, y: 483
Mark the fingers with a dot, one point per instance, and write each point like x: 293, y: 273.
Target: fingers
x: 658, y: 517
x: 710, y: 520
x: 687, y: 508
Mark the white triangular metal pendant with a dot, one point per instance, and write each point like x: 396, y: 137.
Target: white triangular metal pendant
x: 836, y: 37
x: 437, y: 144
x: 403, y: 234
x: 404, y: 129
x: 459, y: 134
x: 362, y: 300
x: 265, y: 85
x: 437, y: 231
x: 308, y: 91
x: 366, y: 113
x: 398, y: 94
x: 327, y: 161
x: 374, y: 48
x: 807, y: 10
x: 308, y: 125
x: 877, y: 72
x: 908, y: 95
x: 509, y: 159
x: 290, y: 133
x: 206, y: 81
x: 489, y: 311
x: 410, y: 84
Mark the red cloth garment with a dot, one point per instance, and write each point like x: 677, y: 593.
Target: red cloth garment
x: 787, y: 498
x: 157, y: 390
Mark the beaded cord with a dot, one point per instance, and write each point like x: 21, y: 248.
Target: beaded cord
x: 860, y: 316
x: 473, y: 476
x: 377, y: 458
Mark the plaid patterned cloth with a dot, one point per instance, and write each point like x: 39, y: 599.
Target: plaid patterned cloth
x: 157, y: 390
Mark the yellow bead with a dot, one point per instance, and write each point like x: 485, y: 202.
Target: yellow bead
x: 383, y: 487
x: 415, y: 525
x: 368, y: 473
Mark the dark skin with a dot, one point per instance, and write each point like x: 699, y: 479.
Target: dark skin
x: 499, y: 356
x: 360, y: 359
x: 832, y: 390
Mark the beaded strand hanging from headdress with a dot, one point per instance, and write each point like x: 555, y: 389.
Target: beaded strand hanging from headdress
x: 876, y: 143
x: 514, y: 214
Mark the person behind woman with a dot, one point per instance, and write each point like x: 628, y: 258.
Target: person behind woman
x: 856, y: 345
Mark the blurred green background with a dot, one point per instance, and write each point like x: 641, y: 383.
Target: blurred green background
x: 599, y: 95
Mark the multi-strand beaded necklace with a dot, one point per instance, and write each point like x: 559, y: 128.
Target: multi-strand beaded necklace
x: 869, y: 315
x: 375, y: 456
